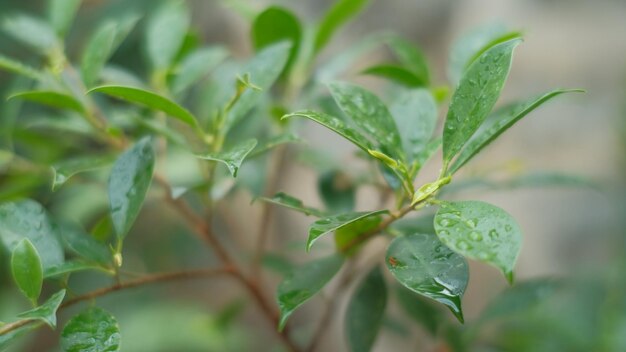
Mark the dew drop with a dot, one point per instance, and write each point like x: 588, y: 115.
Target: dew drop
x: 508, y: 228
x: 476, y: 236
x: 493, y: 234
x: 463, y: 245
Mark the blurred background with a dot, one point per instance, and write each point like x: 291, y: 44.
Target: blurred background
x: 569, y: 232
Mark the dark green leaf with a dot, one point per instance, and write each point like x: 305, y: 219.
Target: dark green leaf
x: 276, y: 24
x: 232, y: 158
x: 165, y: 33
x: 19, y: 68
x: 366, y: 311
x: 128, y: 184
x: 29, y: 30
x: 480, y: 231
x: 93, y: 330
x: 506, y: 119
x: 426, y: 266
x: 415, y: 113
x: 333, y: 223
x: 149, y: 99
x: 397, y: 74
x: 51, y: 98
x: 475, y: 96
x: 83, y: 244
x: 337, y: 190
x: 277, y: 263
x: 339, y: 14
x: 420, y: 309
x: 28, y: 219
x: 61, y: 14
x: 293, y: 203
x: 411, y: 57
x: 347, y: 236
x: 70, y: 267
x: 303, y: 282
x: 370, y: 114
x: 197, y: 65
x: 65, y: 169
x: 46, y: 312
x: 26, y: 269
x: 274, y: 142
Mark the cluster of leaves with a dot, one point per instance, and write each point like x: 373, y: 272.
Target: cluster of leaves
x: 186, y: 109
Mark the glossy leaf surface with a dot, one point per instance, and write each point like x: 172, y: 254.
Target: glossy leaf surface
x: 292, y: 203
x: 415, y: 114
x: 165, y: 33
x: 480, y: 231
x: 128, y: 184
x: 233, y: 157
x: 26, y: 269
x: 426, y: 266
x: 475, y: 96
x: 52, y: 99
x: 339, y: 14
x: 93, y: 330
x: 46, y: 312
x: 333, y: 223
x: 304, y: 282
x: 366, y: 311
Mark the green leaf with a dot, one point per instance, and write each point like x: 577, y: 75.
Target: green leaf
x: 347, y: 236
x: 339, y: 14
x: 128, y: 184
x: 330, y: 224
x: 337, y: 190
x: 83, y: 244
x: 61, y: 14
x: 506, y: 119
x: 47, y: 312
x: 69, y: 267
x: 520, y: 298
x: 30, y: 30
x: 397, y: 74
x: 426, y: 266
x: 165, y: 33
x: 411, y: 57
x: 66, y: 169
x: 151, y: 100
x: 303, y: 282
x: 26, y: 269
x: 370, y: 114
x: 276, y: 24
x: 233, y: 157
x: 8, y: 339
x: 28, y: 219
x: 336, y: 125
x: 274, y: 142
x: 51, y: 98
x: 475, y: 96
x: 19, y: 68
x: 480, y: 231
x: 415, y: 113
x: 420, y: 309
x: 293, y: 203
x: 366, y: 311
x: 197, y: 65
x: 93, y: 330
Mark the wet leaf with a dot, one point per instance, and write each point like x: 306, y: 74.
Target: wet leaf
x: 506, y: 119
x: 65, y: 169
x: 26, y: 269
x: 426, y: 266
x: 61, y: 14
x: 197, y: 65
x: 421, y: 310
x: 52, y: 99
x: 415, y: 114
x: 480, y: 231
x: 293, y: 203
x: 411, y: 58
x: 366, y: 311
x: 276, y: 24
x: 233, y: 157
x: 475, y: 96
x: 128, y: 184
x: 47, y: 312
x: 340, y: 13
x: 149, y: 99
x: 304, y: 282
x: 165, y: 33
x: 397, y: 74
x: 31, y: 31
x: 333, y: 223
x: 337, y: 190
x: 93, y: 330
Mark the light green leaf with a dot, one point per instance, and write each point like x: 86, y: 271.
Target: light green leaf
x: 233, y: 157
x: 366, y: 311
x: 83, y: 244
x: 274, y: 142
x: 196, y: 65
x: 480, y: 231
x: 293, y: 203
x: 276, y: 24
x: 420, y: 310
x: 65, y: 169
x: 47, y: 312
x: 395, y: 73
x: 426, y: 266
x: 337, y: 190
x: 411, y: 57
x: 93, y: 330
x: 128, y: 184
x: 505, y: 119
x: 336, y: 125
x: 146, y: 98
x: 415, y: 113
x: 339, y: 14
x: 475, y: 96
x: 165, y: 33
x: 28, y: 219
x: 26, y: 269
x: 333, y: 223
x: 61, y: 14
x: 370, y: 114
x: 19, y: 68
x: 303, y: 283
x: 51, y: 98
x: 29, y: 30
x: 69, y: 267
